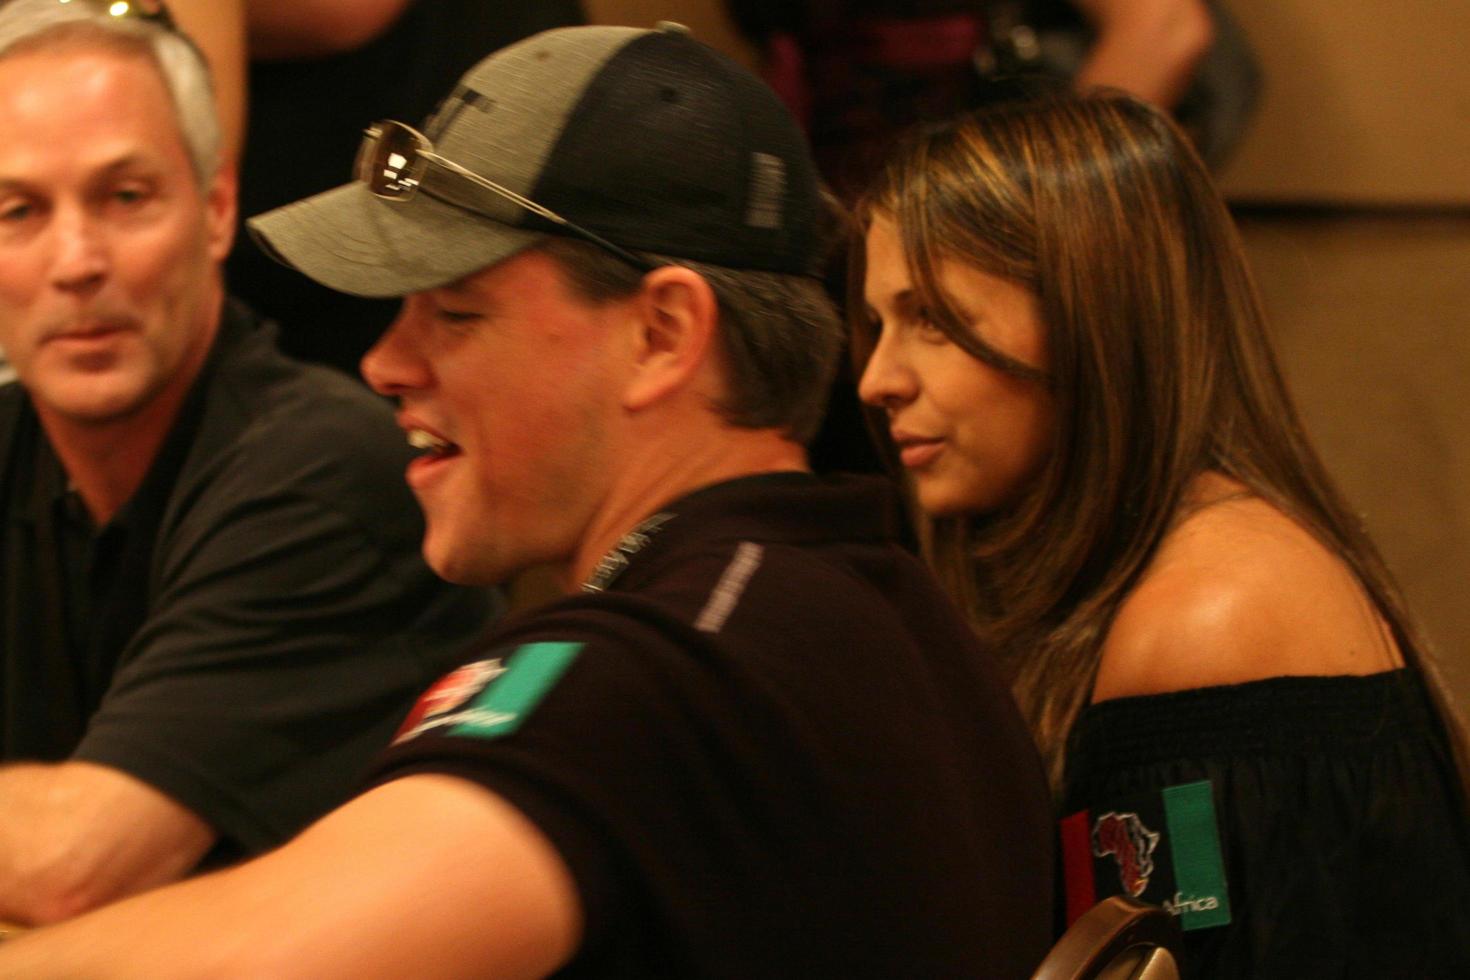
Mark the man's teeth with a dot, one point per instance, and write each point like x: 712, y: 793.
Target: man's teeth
x: 420, y: 439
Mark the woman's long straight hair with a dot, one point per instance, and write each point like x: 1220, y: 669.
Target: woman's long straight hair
x: 1160, y: 370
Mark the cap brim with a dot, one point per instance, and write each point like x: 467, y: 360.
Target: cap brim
x: 352, y: 241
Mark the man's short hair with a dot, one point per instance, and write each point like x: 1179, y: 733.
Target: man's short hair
x: 780, y: 334
x: 43, y: 25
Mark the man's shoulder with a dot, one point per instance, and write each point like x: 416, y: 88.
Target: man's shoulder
x: 272, y: 426
x: 291, y: 406
x: 260, y: 387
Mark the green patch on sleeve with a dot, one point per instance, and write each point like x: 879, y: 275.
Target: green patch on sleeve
x: 531, y: 671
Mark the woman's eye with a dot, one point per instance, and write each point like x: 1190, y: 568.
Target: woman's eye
x: 928, y: 326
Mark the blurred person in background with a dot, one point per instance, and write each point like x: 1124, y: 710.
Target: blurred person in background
x: 859, y: 72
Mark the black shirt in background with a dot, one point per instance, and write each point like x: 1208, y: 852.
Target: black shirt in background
x: 306, y: 120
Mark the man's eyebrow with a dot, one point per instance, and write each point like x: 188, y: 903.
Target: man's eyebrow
x: 126, y: 162
x: 463, y: 291
x: 458, y: 287
x: 108, y: 170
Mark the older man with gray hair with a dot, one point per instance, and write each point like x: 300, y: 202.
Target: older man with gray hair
x: 212, y: 605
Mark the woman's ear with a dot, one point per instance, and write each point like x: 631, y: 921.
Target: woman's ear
x: 677, y: 319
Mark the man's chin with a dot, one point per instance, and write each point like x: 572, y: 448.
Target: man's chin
x: 464, y: 565
x: 452, y: 567
x: 98, y: 405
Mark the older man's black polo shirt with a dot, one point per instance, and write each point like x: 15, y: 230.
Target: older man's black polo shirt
x: 86, y: 593
x: 247, y: 630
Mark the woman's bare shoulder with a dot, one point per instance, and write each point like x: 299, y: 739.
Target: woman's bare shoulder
x: 1240, y: 592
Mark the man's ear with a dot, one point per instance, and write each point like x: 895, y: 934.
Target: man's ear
x: 677, y: 319
x: 219, y: 211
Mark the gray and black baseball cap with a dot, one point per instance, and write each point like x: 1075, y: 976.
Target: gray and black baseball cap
x: 647, y: 138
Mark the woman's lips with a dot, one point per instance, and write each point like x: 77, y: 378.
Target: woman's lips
x: 915, y: 450
x: 917, y: 453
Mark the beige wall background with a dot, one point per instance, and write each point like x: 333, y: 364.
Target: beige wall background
x: 1360, y: 155
x: 1366, y: 120
x: 1367, y: 102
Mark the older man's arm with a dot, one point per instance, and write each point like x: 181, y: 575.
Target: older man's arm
x: 75, y: 835
x: 427, y: 876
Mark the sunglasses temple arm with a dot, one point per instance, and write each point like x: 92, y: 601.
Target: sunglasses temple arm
x: 541, y: 211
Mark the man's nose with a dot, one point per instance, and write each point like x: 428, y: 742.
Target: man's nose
x: 393, y: 366
x: 82, y: 256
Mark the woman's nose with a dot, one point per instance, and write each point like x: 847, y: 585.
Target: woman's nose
x: 886, y: 381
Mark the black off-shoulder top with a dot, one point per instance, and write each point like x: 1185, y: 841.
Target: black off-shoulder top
x: 1339, y: 825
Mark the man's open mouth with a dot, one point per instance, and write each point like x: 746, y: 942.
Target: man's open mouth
x: 431, y: 444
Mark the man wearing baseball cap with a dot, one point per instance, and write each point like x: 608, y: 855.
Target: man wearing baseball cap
x: 753, y: 740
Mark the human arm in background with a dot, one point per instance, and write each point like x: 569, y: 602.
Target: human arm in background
x: 1147, y: 47
x: 218, y: 28
x: 316, y: 28
x: 231, y: 32
x: 427, y: 876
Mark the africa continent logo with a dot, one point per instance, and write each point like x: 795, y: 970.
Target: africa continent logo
x: 1131, y: 844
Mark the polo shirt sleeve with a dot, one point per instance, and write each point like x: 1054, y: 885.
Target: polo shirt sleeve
x: 619, y: 748
x: 284, y: 644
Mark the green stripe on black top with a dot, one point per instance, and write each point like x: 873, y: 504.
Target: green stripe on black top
x: 1201, y: 899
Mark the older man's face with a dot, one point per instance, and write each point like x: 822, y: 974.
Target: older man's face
x: 109, y: 293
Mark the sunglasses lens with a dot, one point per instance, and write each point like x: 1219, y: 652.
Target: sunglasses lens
x: 390, y: 162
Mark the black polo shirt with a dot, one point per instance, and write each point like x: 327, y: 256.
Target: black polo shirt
x: 87, y: 593
x: 247, y: 630
x: 768, y: 747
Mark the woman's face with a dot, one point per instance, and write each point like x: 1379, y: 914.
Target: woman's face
x: 970, y: 436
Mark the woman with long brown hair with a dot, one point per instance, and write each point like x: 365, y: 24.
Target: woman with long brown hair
x: 1240, y: 720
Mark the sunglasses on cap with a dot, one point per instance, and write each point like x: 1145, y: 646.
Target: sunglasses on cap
x: 395, y: 157
x: 149, y: 10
